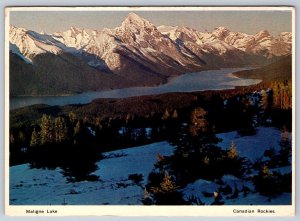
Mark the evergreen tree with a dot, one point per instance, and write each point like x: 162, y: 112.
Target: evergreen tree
x: 22, y: 137
x: 166, y: 115
x: 264, y: 99
x: 46, y: 132
x: 60, y: 130
x: 72, y: 116
x: 166, y: 193
x: 232, y: 152
x: 175, y: 114
x: 168, y: 185
x: 78, y: 132
x: 35, y: 141
x: 198, y: 122
x: 78, y: 128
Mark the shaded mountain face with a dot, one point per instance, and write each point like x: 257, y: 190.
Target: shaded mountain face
x: 136, y: 53
x: 277, y: 71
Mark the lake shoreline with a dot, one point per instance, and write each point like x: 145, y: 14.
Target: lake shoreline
x: 193, y: 82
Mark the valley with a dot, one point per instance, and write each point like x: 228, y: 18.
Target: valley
x: 205, y: 80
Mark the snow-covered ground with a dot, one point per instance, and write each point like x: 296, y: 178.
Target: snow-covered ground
x: 252, y: 198
x: 45, y: 187
x: 254, y: 146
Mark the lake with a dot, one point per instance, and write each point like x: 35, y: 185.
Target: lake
x: 197, y: 81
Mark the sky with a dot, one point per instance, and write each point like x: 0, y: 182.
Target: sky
x: 249, y: 22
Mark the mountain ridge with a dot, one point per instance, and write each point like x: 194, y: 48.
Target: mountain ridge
x: 137, y: 53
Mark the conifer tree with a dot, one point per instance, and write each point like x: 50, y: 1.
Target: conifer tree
x: 166, y: 115
x: 198, y: 122
x: 34, y: 139
x: 175, y: 114
x: 72, y: 116
x: 61, y: 130
x: 232, y: 152
x: 22, y: 137
x: 46, y: 129
x: 78, y: 128
x: 167, y: 185
x: 264, y: 99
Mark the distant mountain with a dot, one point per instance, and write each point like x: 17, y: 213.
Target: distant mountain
x: 262, y: 43
x: 136, y: 53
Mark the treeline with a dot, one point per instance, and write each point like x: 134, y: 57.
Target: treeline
x: 56, y: 137
x: 112, y: 124
x: 62, y: 141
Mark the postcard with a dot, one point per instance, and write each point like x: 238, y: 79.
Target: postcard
x: 150, y: 111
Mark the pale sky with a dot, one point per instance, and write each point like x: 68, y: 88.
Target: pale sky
x: 243, y: 21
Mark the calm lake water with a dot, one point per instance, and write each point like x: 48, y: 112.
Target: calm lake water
x: 197, y: 81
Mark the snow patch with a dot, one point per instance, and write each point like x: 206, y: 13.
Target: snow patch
x: 254, y: 146
x: 34, y: 186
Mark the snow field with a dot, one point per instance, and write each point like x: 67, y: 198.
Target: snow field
x: 50, y: 187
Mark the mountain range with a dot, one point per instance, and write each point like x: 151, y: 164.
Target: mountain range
x: 137, y: 53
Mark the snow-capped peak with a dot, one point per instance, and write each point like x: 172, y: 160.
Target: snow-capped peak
x: 221, y: 32
x: 31, y: 43
x: 75, y: 30
x: 286, y: 36
x: 133, y: 19
x: 221, y: 29
x: 262, y: 34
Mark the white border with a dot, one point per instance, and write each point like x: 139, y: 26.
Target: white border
x: 141, y: 210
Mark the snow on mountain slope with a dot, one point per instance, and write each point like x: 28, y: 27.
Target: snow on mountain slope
x: 140, y: 33
x: 14, y: 49
x: 90, y: 45
x: 136, y: 39
x: 168, y: 30
x: 74, y: 37
x: 140, y: 52
x: 286, y: 37
x: 31, y: 43
x: 209, y: 47
x: 183, y: 33
x: 261, y: 43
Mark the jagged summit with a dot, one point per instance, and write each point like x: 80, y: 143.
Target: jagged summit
x: 133, y: 19
x: 221, y: 32
x: 262, y: 34
x: 133, y: 16
x: 222, y: 28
